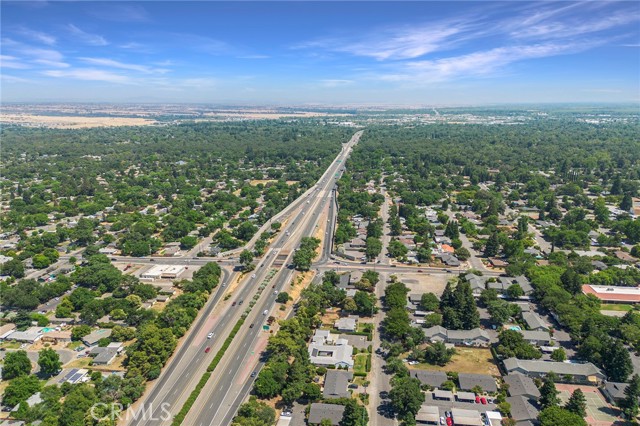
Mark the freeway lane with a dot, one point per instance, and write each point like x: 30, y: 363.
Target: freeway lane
x: 224, y: 392
x: 190, y: 361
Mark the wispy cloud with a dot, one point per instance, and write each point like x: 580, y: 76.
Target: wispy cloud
x: 13, y: 79
x: 87, y: 38
x: 36, y: 35
x: 122, y: 65
x: 32, y: 55
x: 119, y: 12
x: 330, y: 83
x: 90, y: 74
x: 481, y: 63
x: 12, y: 62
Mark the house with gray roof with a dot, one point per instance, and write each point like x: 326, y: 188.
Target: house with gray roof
x: 522, y: 409
x: 614, y: 391
x: 534, y: 322
x: 356, y: 341
x: 538, y: 338
x: 320, y: 411
x: 582, y: 373
x: 433, y: 379
x: 347, y: 324
x: 521, y: 385
x: 345, y: 280
x: 478, y: 283
x: 93, y: 338
x: 468, y: 381
x: 474, y: 337
x: 30, y: 335
x: 336, y: 383
x: 105, y: 357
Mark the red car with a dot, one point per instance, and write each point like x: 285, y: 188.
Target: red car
x: 449, y: 421
x: 483, y: 400
x: 207, y: 349
x: 477, y: 399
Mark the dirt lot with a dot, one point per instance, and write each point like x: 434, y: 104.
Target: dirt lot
x: 68, y: 122
x: 468, y: 360
x: 255, y: 182
x: 424, y: 282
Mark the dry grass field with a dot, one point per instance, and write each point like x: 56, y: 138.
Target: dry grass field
x: 68, y: 122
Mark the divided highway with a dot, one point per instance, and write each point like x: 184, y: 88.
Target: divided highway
x: 190, y: 361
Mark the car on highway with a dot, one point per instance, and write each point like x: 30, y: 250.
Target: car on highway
x: 233, y: 304
x: 275, y: 292
x: 251, y: 326
x: 266, y: 311
x: 209, y: 336
x: 240, y: 302
x: 254, y: 374
x: 207, y: 349
x: 152, y: 260
x: 253, y: 276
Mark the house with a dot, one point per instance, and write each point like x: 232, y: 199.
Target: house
x: 614, y: 391
x: 320, y: 411
x: 6, y: 330
x: 56, y: 337
x: 415, y: 298
x: 345, y: 280
x: 582, y: 373
x: 464, y: 417
x: 448, y: 259
x: 522, y: 410
x: 92, y: 339
x: 30, y: 335
x: 477, y: 283
x: 524, y: 306
x: 468, y: 381
x: 433, y: 379
x: 105, y: 357
x: 521, y: 385
x: 322, y: 351
x: 534, y: 322
x: 599, y: 265
x: 76, y: 375
x: 428, y: 415
x: 537, y: 338
x: 348, y: 324
x: 475, y: 337
x: 497, y: 263
x: 336, y: 383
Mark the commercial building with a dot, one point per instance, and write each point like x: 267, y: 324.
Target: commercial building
x: 162, y: 271
x: 613, y: 294
x: 325, y: 350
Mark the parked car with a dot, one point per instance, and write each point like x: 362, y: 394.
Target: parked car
x: 449, y: 421
x: 483, y: 400
x: 441, y: 420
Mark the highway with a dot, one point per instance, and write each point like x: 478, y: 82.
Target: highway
x: 190, y: 361
x: 222, y: 395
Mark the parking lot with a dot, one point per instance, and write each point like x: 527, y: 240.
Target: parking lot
x: 599, y: 412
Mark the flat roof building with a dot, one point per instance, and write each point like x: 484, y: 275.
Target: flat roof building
x: 613, y: 294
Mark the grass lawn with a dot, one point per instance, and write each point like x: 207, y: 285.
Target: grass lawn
x: 616, y: 307
x: 10, y: 345
x: 360, y: 363
x: 74, y: 344
x: 468, y: 360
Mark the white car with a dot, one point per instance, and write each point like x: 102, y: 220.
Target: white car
x: 265, y: 312
x: 253, y: 276
x: 209, y: 336
x: 441, y: 420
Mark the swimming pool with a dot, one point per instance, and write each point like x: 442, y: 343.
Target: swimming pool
x: 515, y: 328
x: 48, y: 329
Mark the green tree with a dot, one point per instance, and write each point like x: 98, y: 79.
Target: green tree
x: 266, y: 386
x: 246, y: 257
x: 49, y: 362
x: 429, y: 302
x: 373, y: 248
x: 438, y: 354
x: 354, y: 414
x: 630, y: 402
x: 188, y: 242
x: 16, y: 364
x: 577, y: 403
x: 559, y: 355
x: 556, y: 416
x: 406, y: 397
x: 617, y: 361
x: 515, y: 291
x: 492, y: 246
x: 20, y: 389
x: 13, y: 268
x: 549, y: 393
x: 627, y: 202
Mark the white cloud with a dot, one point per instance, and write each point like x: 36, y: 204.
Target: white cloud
x: 87, y: 38
x: 482, y: 63
x: 36, y: 35
x: 122, y: 65
x: 335, y: 83
x: 12, y: 62
x: 90, y: 74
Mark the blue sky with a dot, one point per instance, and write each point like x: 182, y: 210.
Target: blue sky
x: 402, y: 53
